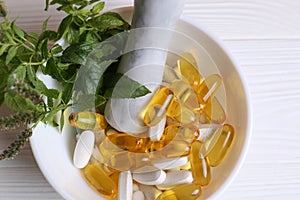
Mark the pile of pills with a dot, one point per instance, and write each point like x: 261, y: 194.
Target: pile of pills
x: 186, y: 137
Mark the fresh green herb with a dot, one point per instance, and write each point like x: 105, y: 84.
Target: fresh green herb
x: 3, y: 11
x: 25, y: 55
x: 15, y: 147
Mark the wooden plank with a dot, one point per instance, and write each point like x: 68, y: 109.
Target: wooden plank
x: 227, y: 19
x: 268, y: 181
x: 25, y: 183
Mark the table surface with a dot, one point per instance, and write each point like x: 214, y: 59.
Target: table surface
x: 264, y: 37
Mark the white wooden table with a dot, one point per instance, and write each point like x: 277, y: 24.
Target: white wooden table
x: 264, y: 37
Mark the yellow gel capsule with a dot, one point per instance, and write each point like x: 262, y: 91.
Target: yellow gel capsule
x: 154, y: 115
x: 174, y: 109
x: 176, y: 148
x: 87, y: 120
x: 181, y: 113
x: 155, y: 145
x: 129, y: 143
x: 171, y: 121
x: 182, y: 192
x: 158, y: 98
x: 111, y: 131
x: 100, y: 181
x: 221, y: 146
x: 103, y: 167
x: 167, y: 195
x: 171, y: 74
x: 108, y: 149
x: 115, y: 177
x: 199, y: 166
x: 156, y: 112
x: 214, y: 111
x: 185, y: 94
x: 209, y: 87
x: 188, y: 68
x: 121, y: 161
x: 111, y: 153
x: 139, y: 160
x: 177, y: 132
x: 187, y: 166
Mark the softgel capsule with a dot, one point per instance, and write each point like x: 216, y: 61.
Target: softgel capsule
x: 186, y: 137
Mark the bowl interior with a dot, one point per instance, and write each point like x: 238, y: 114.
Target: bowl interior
x: 53, y: 150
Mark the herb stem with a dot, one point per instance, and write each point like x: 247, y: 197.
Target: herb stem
x: 27, y: 47
x: 34, y: 63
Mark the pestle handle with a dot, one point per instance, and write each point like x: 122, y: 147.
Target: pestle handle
x: 144, y: 65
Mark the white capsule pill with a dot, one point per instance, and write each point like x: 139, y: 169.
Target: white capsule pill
x: 147, y: 168
x: 170, y: 163
x: 150, y: 178
x: 150, y: 192
x: 125, y: 186
x: 138, y: 195
x: 155, y: 132
x: 83, y: 149
x: 176, y: 178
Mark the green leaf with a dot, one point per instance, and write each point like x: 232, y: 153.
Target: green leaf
x: 107, y: 21
x: 33, y: 38
x: 64, y: 25
x: 49, y: 102
x: 90, y: 75
x: 20, y: 72
x: 19, y: 32
x: 77, y: 53
x: 97, y: 8
x: 39, y: 85
x: 44, y: 49
x: 45, y: 23
x: 3, y: 11
x: 89, y: 37
x: 56, y: 49
x: 31, y: 74
x: 11, y: 54
x: 61, y: 2
x: 89, y: 101
x: 124, y: 87
x: 62, y: 120
x: 51, y: 69
x: 52, y: 93
x: 94, y: 1
x: 67, y: 93
x: 51, y: 35
x: 18, y: 103
x: 3, y: 48
x: 4, y: 73
x: 8, y: 36
x: 72, y: 35
x: 66, y: 8
x: 50, y: 117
